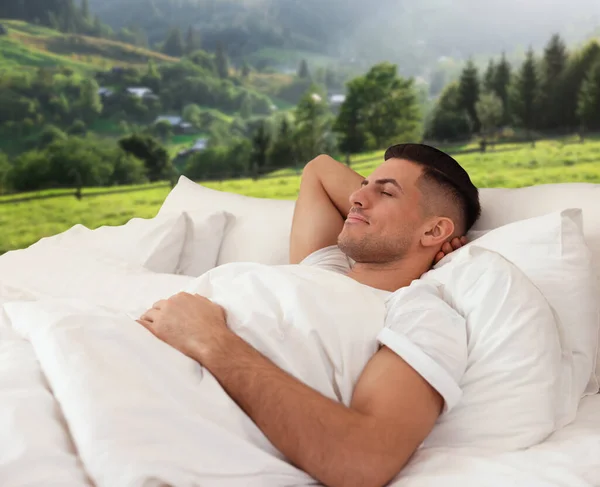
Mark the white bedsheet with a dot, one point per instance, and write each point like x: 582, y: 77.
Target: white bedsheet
x: 88, y: 397
x: 568, y: 458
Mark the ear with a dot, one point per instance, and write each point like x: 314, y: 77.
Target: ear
x: 437, y: 232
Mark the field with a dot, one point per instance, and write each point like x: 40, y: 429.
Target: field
x: 510, y: 165
x: 289, y: 58
x: 29, y: 46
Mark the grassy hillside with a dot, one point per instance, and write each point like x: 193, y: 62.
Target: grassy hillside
x: 31, y: 46
x: 289, y: 57
x: 514, y: 165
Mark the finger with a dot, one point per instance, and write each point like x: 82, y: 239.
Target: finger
x: 150, y: 315
x: 446, y: 248
x: 145, y: 323
x: 439, y: 256
x: 464, y: 240
x: 456, y: 244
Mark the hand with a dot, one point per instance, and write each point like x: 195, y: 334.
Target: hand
x: 450, y: 247
x: 188, y: 322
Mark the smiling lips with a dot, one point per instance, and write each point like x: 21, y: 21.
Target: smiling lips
x: 355, y: 218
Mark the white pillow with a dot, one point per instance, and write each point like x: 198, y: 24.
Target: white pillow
x: 202, y: 242
x: 552, y: 252
x: 154, y: 244
x: 59, y: 270
x: 260, y: 231
x: 515, y: 388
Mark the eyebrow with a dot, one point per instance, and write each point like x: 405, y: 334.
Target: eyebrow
x: 384, y: 181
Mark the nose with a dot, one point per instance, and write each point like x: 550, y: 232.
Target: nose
x: 359, y: 197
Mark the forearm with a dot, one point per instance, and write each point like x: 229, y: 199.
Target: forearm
x: 338, y: 181
x: 335, y: 444
x: 322, y: 206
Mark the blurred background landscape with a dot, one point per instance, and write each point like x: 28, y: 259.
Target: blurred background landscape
x: 105, y: 103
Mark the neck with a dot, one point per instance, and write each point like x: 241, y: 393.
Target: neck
x: 389, y: 276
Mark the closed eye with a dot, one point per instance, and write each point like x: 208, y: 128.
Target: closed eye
x: 385, y: 193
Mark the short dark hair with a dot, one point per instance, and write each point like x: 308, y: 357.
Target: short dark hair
x: 446, y: 172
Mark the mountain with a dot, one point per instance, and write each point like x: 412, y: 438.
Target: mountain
x: 31, y: 46
x: 413, y: 34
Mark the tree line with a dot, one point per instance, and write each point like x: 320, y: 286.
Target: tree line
x: 558, y: 91
x: 555, y: 91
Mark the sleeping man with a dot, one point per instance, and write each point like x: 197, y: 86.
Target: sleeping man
x: 348, y: 391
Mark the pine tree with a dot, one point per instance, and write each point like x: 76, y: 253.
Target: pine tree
x: 303, y: 72
x: 468, y: 88
x: 174, y: 44
x: 68, y: 17
x: 97, y: 28
x: 555, y: 58
x: 53, y: 21
x: 588, y: 106
x: 85, y: 10
x: 245, y: 70
x: 192, y: 41
x: 526, y: 95
x: 489, y: 76
x: 501, y: 84
x: 221, y: 61
x: 553, y: 66
x: 572, y: 79
x: 282, y: 152
x: 261, y: 142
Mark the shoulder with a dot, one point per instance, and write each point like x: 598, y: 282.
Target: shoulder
x: 330, y: 258
x: 431, y: 336
x: 423, y: 297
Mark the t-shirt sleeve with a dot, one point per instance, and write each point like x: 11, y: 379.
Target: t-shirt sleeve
x: 430, y: 336
x: 330, y: 258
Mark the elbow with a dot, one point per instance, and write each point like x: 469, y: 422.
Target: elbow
x: 376, y: 473
x: 374, y: 470
x: 317, y: 162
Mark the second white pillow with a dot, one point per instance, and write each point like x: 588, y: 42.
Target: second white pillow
x: 552, y: 252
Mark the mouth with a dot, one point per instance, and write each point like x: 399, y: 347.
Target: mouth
x: 354, y: 218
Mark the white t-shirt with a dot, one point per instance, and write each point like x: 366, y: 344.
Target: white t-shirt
x: 420, y: 327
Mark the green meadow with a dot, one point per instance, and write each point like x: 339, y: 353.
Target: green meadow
x: 508, y: 165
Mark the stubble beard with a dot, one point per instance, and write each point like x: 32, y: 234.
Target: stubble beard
x: 370, y: 249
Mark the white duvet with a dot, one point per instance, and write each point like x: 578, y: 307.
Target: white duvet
x: 89, y: 397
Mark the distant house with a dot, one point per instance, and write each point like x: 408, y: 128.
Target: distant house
x: 141, y: 92
x: 172, y: 119
x: 316, y: 97
x: 105, y: 92
x: 198, y: 146
x: 337, y: 99
x: 178, y: 124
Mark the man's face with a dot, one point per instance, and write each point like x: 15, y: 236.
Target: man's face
x: 386, y: 215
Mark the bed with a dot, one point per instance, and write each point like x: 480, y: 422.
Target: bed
x: 54, y: 428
